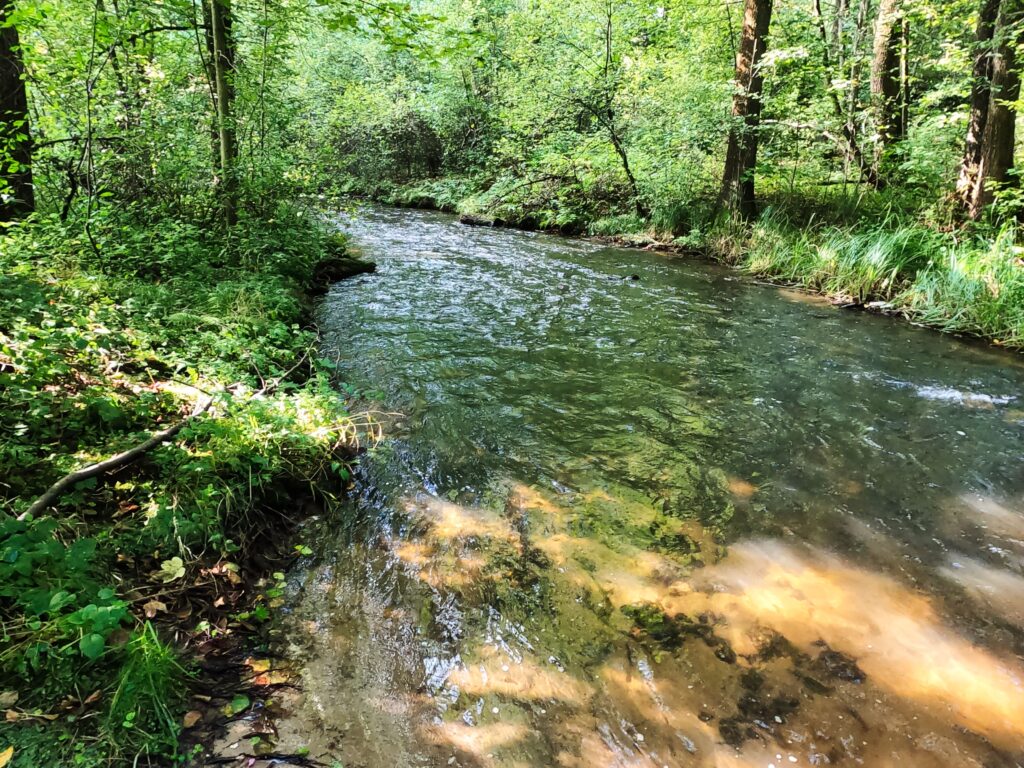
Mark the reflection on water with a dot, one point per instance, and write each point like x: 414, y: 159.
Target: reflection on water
x: 676, y: 521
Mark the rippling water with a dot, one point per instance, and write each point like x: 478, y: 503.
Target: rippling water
x: 638, y: 511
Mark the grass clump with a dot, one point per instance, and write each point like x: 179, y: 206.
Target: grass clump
x: 972, y: 285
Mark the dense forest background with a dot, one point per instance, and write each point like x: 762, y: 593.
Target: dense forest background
x: 843, y: 127
x: 165, y: 166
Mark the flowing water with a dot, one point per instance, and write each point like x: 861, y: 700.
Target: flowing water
x: 633, y: 510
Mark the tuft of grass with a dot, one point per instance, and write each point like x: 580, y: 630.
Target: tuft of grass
x: 151, y: 686
x: 973, y: 286
x: 977, y: 287
x: 622, y: 224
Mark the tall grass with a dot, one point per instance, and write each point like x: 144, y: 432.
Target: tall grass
x: 973, y: 285
x: 150, y: 689
x: 976, y: 287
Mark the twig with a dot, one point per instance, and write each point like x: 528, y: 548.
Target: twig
x: 125, y: 457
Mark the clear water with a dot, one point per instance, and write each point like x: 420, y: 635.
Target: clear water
x: 679, y: 520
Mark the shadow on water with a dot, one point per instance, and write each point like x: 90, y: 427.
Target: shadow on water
x: 684, y: 520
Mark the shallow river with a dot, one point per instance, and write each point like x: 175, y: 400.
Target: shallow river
x: 633, y: 510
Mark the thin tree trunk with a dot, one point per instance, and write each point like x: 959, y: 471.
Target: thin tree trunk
x: 981, y: 88
x: 852, y: 147
x: 885, y: 75
x: 17, y: 198
x: 224, y: 73
x: 997, y: 143
x: 638, y: 203
x: 904, y: 123
x: 741, y: 154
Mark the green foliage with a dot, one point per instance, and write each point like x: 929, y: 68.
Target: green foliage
x: 101, y: 347
x: 529, y: 113
x: 142, y: 715
x: 61, y: 614
x: 969, y: 285
x: 125, y: 300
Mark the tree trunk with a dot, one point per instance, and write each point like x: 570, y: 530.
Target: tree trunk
x: 981, y: 88
x: 851, y: 150
x: 224, y: 73
x: 17, y: 197
x: 997, y: 142
x: 886, y: 80
x: 741, y: 154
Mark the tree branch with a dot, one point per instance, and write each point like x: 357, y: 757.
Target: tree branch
x: 126, y: 457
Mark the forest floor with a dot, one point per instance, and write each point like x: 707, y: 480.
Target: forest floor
x: 122, y: 598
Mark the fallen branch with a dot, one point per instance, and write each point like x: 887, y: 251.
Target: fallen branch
x: 528, y: 183
x: 125, y: 457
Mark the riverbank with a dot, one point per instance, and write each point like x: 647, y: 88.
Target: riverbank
x: 968, y: 282
x: 114, y: 588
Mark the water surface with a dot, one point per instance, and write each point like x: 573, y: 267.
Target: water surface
x: 638, y: 511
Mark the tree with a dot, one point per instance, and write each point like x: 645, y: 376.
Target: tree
x: 845, y: 114
x: 18, y: 195
x: 995, y: 156
x: 981, y: 89
x: 741, y: 154
x: 888, y: 75
x: 601, y: 100
x: 224, y: 70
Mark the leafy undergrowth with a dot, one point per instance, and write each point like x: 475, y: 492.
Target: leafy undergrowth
x: 101, y: 345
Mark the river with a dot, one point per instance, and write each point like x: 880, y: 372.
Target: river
x: 636, y: 510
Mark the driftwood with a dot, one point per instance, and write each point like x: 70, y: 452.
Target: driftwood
x: 125, y: 457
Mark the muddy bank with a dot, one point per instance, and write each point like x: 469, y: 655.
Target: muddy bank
x: 226, y: 614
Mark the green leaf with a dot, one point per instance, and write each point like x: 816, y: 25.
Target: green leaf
x: 92, y: 645
x: 239, y: 704
x: 171, y: 570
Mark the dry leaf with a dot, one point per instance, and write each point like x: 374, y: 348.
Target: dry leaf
x: 5, y: 756
x: 153, y: 607
x: 11, y: 716
x: 272, y: 678
x: 191, y: 718
x: 258, y: 665
x: 8, y: 699
x: 94, y: 697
